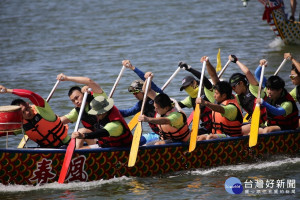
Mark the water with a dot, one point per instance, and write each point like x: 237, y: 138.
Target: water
x: 40, y: 39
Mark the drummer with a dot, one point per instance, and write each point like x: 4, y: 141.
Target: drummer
x: 39, y: 121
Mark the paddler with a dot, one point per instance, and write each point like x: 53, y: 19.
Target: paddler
x: 191, y: 86
x: 171, y: 122
x: 136, y: 88
x: 246, y: 88
x: 226, y: 113
x: 76, y: 96
x: 110, y: 128
x: 295, y: 77
x: 39, y: 121
x: 282, y: 110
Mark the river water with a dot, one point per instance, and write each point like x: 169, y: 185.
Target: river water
x: 40, y: 39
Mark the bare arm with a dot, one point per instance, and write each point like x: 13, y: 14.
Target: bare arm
x: 294, y: 61
x: 158, y: 120
x: 212, y: 106
x: 246, y: 71
x: 65, y: 120
x: 211, y: 70
x: 82, y: 80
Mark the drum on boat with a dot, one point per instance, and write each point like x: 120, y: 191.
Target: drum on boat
x: 10, y: 118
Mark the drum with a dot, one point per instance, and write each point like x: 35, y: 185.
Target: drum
x: 10, y: 118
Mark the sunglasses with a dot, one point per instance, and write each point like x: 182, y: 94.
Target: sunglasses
x: 233, y: 87
x: 293, y: 76
x: 135, y: 91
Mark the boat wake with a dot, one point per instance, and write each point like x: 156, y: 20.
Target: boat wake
x: 57, y: 186
x: 248, y: 167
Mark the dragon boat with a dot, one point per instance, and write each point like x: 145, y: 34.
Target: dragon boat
x: 288, y: 31
x: 35, y: 166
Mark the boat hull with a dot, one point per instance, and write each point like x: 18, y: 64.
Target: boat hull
x: 39, y: 166
x: 275, y: 15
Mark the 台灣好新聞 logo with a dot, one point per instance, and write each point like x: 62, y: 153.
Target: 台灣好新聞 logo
x: 233, y: 186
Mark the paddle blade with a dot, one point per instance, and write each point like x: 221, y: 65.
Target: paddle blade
x: 254, y: 126
x: 246, y: 119
x: 135, y: 145
x: 195, y: 127
x: 134, y: 121
x: 67, y: 161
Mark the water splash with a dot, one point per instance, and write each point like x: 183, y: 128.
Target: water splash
x: 57, y: 186
x: 248, y: 167
x: 277, y: 44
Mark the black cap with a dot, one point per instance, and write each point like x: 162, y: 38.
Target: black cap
x: 236, y: 78
x: 275, y: 83
x: 186, y: 81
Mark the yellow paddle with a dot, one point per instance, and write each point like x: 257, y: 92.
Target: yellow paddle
x: 138, y: 132
x: 256, y: 115
x: 134, y: 120
x: 25, y: 138
x: 196, y: 117
x: 245, y: 118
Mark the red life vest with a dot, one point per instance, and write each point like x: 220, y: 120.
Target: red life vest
x: 206, y: 115
x: 169, y: 132
x: 223, y: 125
x: 124, y: 140
x: 45, y: 133
x: 289, y: 122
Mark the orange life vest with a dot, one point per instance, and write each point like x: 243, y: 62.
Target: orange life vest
x: 124, y: 140
x: 45, y: 133
x: 169, y: 132
x: 223, y: 125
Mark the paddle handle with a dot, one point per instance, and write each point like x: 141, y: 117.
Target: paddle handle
x: 72, y: 144
x: 224, y: 68
x: 201, y: 78
x: 169, y: 80
x: 145, y: 94
x: 81, y: 109
x: 116, y: 83
x: 261, y: 80
x: 52, y: 91
x: 280, y: 66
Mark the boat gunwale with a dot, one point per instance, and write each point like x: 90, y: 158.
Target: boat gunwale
x: 33, y: 150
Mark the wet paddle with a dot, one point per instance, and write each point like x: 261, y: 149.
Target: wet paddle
x: 25, y: 138
x: 72, y: 144
x: 196, y: 117
x: 116, y: 82
x: 138, y: 132
x: 134, y: 120
x: 256, y: 115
